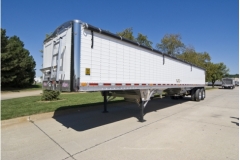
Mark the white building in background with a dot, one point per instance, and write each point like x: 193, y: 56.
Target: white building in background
x: 38, y: 79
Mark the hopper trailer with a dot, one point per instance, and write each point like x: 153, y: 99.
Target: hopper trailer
x: 78, y: 56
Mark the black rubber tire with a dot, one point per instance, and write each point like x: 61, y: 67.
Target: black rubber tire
x: 198, y: 95
x: 193, y: 94
x: 203, y: 94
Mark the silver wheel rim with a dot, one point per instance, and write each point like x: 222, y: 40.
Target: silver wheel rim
x: 200, y: 95
x: 203, y: 94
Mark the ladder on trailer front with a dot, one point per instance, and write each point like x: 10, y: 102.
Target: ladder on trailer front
x: 56, y: 70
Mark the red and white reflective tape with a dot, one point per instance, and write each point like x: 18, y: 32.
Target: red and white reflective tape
x: 85, y: 84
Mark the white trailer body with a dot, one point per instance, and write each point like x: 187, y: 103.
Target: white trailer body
x: 92, y: 60
x: 81, y: 57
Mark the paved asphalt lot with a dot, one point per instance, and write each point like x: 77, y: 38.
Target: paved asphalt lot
x: 174, y: 129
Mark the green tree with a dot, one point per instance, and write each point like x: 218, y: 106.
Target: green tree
x: 216, y: 72
x: 17, y: 66
x: 233, y: 75
x: 143, y: 40
x: 171, y: 44
x: 4, y: 40
x: 127, y: 33
x: 199, y: 59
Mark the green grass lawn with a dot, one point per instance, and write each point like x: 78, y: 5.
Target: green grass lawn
x: 18, y: 107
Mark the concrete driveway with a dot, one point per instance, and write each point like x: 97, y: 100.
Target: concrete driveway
x: 174, y: 129
x: 11, y: 95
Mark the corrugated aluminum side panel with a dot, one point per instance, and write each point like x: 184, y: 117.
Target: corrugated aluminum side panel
x: 114, y: 61
x: 67, y: 55
x: 47, y: 54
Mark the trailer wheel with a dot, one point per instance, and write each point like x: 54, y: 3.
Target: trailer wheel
x: 198, y: 95
x: 203, y: 94
x: 193, y: 94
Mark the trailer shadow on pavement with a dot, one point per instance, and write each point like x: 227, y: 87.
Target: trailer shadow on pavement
x: 84, y: 118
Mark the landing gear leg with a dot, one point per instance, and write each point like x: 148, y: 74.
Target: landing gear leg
x: 141, y: 112
x: 105, y: 101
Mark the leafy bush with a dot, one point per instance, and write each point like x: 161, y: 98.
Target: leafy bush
x: 49, y: 95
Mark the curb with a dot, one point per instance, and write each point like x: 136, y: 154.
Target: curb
x: 24, y: 119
